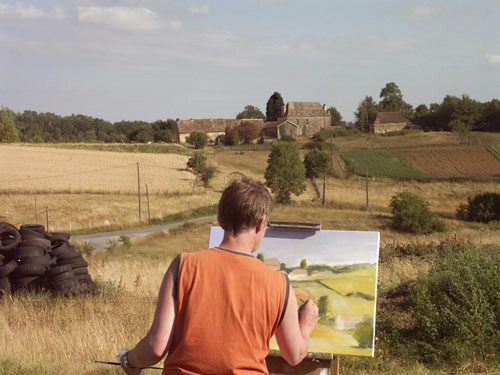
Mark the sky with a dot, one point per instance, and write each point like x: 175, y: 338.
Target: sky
x: 330, y: 247
x: 157, y: 59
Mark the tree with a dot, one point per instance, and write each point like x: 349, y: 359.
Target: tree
x: 261, y: 257
x: 8, y: 129
x: 197, y: 139
x: 285, y: 172
x: 336, y: 116
x: 303, y: 263
x: 250, y: 111
x: 316, y: 163
x: 324, y: 307
x: 366, y: 113
x: 198, y: 163
x: 274, y: 107
x: 247, y: 132
x: 392, y: 98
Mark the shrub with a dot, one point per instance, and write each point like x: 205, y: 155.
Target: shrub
x: 316, y: 163
x: 85, y: 247
x: 197, y: 162
x: 411, y: 213
x: 456, y: 309
x: 247, y: 132
x: 207, y: 174
x: 231, y: 137
x: 197, y: 139
x: 287, y: 138
x: 125, y: 240
x: 483, y: 207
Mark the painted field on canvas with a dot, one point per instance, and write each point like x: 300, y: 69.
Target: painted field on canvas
x: 338, y: 270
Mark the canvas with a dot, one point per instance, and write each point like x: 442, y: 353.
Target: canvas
x: 338, y: 270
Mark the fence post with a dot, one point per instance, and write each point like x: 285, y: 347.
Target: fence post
x: 36, y: 212
x: 324, y: 187
x: 139, y: 190
x: 147, y: 197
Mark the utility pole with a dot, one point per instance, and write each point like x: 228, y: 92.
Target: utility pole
x: 139, y: 190
x: 366, y: 180
x: 47, y: 217
x: 324, y: 187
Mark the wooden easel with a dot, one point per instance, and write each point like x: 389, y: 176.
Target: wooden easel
x: 314, y: 363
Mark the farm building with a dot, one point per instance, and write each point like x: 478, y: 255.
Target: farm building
x: 212, y: 126
x: 273, y: 263
x: 300, y: 119
x: 388, y: 122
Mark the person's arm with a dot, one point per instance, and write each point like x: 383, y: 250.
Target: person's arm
x: 295, y: 328
x: 153, y: 347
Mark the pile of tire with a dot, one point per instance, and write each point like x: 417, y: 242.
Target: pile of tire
x: 32, y: 259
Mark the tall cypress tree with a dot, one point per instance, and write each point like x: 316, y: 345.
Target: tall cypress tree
x: 274, y: 107
x: 8, y: 129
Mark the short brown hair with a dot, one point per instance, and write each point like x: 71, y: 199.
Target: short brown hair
x: 243, y: 204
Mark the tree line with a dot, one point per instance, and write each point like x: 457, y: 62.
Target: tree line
x: 462, y: 114
x: 35, y: 127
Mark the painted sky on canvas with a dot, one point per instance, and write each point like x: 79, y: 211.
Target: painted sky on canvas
x: 324, y: 247
x: 152, y: 59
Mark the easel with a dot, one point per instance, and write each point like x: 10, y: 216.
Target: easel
x: 314, y: 364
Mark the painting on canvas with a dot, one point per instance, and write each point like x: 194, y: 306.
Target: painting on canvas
x: 338, y: 270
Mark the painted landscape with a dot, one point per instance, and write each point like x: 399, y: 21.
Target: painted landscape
x: 338, y: 270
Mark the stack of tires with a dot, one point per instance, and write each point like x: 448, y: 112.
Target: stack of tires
x: 34, y: 259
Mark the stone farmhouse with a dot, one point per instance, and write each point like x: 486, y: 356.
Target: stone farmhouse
x: 388, y: 122
x: 300, y: 119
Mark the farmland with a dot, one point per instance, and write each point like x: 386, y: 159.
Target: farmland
x: 77, y: 331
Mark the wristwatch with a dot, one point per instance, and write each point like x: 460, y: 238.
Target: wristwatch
x: 123, y: 358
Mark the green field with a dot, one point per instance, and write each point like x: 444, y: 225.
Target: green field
x: 380, y: 163
x: 350, y: 299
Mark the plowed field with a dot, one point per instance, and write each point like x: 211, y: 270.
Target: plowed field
x: 453, y: 162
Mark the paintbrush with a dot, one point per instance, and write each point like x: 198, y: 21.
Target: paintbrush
x: 119, y: 364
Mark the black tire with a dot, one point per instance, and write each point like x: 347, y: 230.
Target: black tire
x: 59, y: 269
x: 28, y: 251
x: 5, y: 286
x: 9, y: 232
x: 62, y: 276
x: 2, y: 257
x: 60, y: 249
x: 68, y: 258
x: 8, y: 268
x: 32, y: 282
x: 85, y: 278
x: 29, y: 270
x: 38, y: 242
x: 45, y: 260
x: 33, y: 233
x: 81, y: 271
x: 75, y: 262
x: 35, y: 227
x: 61, y: 236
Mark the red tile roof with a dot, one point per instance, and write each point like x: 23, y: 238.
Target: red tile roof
x: 305, y: 109
x: 390, y: 118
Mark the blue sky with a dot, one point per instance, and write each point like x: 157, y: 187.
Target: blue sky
x: 146, y: 60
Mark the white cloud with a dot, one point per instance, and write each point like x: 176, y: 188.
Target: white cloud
x: 492, y: 58
x: 198, y: 9
x: 28, y: 11
x: 424, y: 11
x: 124, y: 18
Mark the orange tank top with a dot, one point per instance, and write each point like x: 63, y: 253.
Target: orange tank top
x: 228, y: 307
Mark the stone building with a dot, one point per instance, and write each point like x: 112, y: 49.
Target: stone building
x: 300, y: 119
x: 388, y: 122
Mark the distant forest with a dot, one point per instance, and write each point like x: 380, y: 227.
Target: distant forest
x: 52, y: 128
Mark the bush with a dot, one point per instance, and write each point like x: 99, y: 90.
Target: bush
x: 207, y: 174
x: 247, y: 132
x: 198, y: 163
x: 197, y: 139
x: 456, y: 309
x: 483, y: 207
x: 316, y: 163
x: 411, y: 213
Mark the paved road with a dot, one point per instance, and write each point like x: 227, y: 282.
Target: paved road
x: 100, y: 240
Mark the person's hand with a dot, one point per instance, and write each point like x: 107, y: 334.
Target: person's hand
x: 121, y: 356
x: 308, y: 317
